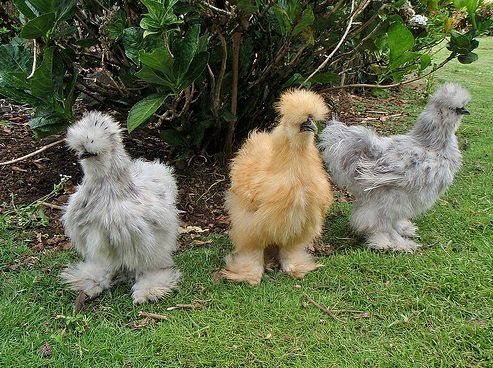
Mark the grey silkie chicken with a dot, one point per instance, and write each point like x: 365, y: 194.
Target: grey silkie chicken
x: 396, y: 178
x: 122, y: 217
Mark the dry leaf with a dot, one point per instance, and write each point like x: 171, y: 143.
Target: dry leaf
x: 45, y: 350
x: 201, y: 242
x: 191, y: 229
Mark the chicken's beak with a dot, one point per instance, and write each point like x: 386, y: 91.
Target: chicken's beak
x: 86, y: 154
x: 309, y: 125
x: 462, y: 111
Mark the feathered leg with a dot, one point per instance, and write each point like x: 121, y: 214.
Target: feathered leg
x: 406, y: 228
x: 296, y: 261
x: 379, y: 227
x: 246, y: 263
x: 154, y: 284
x: 90, y: 277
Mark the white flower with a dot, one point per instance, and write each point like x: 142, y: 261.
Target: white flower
x: 418, y: 20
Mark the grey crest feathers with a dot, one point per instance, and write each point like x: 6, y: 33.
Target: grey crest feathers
x: 396, y: 178
x: 450, y: 95
x: 123, y: 215
x: 95, y: 133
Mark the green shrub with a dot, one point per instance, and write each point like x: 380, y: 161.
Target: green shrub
x: 204, y: 71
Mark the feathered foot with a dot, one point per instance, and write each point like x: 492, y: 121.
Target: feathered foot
x: 391, y: 241
x: 297, y: 262
x: 155, y: 284
x: 89, y: 277
x: 406, y: 228
x: 244, y: 266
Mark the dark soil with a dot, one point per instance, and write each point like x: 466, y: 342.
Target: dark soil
x: 201, y: 180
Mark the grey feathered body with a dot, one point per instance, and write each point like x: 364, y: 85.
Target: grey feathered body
x: 396, y: 178
x: 129, y: 219
x: 123, y: 216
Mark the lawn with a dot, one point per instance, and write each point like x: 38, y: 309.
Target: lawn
x: 430, y: 309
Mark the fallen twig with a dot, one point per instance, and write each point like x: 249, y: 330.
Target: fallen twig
x: 51, y: 205
x: 44, y: 148
x: 154, y: 316
x: 198, y: 304
x: 322, y: 308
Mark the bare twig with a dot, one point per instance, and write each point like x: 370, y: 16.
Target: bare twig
x: 35, y: 55
x: 222, y: 11
x: 322, y: 308
x: 219, y: 82
x: 383, y: 86
x: 51, y: 205
x: 321, y: 66
x: 234, y: 89
x: 154, y: 316
x: 44, y: 148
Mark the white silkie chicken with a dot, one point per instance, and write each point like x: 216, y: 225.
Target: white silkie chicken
x: 396, y: 178
x: 122, y: 217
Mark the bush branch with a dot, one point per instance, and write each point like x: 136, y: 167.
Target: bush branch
x: 321, y: 66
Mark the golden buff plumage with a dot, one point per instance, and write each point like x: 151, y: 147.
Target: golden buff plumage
x: 279, y: 192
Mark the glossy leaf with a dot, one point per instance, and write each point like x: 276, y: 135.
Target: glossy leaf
x: 38, y: 27
x: 143, y: 110
x: 400, y: 40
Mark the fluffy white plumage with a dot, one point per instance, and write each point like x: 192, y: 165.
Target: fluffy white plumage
x: 396, y: 178
x: 122, y: 217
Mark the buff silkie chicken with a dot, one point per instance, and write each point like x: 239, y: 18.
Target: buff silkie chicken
x: 122, y: 217
x: 396, y: 178
x: 279, y: 192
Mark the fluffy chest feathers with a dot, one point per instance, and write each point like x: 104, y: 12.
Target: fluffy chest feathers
x: 279, y: 179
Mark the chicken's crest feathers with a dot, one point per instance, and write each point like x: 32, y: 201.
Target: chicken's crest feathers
x: 94, y: 133
x: 296, y: 104
x: 450, y: 95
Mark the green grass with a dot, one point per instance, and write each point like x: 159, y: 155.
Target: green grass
x: 431, y: 309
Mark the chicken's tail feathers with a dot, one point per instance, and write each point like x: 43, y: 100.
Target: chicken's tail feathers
x: 344, y: 147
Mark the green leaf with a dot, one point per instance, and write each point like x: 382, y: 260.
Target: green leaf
x: 325, y: 78
x: 25, y: 9
x: 400, y: 40
x: 44, y: 6
x: 306, y: 20
x: 38, y: 27
x: 132, y: 42
x: 467, y: 58
x: 18, y: 95
x: 249, y: 6
x: 425, y: 61
x: 282, y: 18
x: 186, y: 50
x: 65, y: 9
x: 47, y: 121
x: 42, y: 84
x: 143, y: 110
x: 173, y: 137
x: 87, y: 42
x: 151, y: 76
x: 197, y: 133
x: 15, y: 64
x: 229, y: 116
x: 296, y: 79
x: 159, y: 59
x: 197, y: 67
